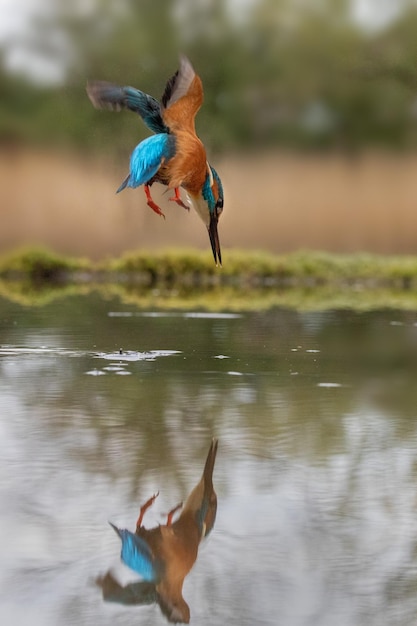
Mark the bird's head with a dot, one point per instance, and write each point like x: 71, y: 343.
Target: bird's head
x: 209, y: 205
x: 173, y: 605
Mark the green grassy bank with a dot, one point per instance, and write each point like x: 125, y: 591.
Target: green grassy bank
x: 196, y: 269
x: 189, y: 279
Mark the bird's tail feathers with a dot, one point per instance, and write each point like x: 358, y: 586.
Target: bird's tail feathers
x: 116, y: 529
x: 124, y: 184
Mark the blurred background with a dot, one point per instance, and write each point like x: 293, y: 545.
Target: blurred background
x: 310, y: 117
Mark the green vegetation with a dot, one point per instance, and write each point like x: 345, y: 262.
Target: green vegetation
x: 40, y: 265
x: 248, y: 281
x: 193, y: 268
x: 300, y: 74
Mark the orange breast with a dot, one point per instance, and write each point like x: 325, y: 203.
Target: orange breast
x: 174, y: 547
x: 188, y: 168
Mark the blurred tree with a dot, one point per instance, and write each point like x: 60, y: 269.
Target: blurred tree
x: 302, y: 73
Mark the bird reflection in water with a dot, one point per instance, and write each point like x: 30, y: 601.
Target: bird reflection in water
x: 164, y: 555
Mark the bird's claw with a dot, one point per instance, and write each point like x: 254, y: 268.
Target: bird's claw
x: 144, y: 508
x: 177, y: 198
x: 151, y: 203
x: 155, y: 208
x: 180, y: 202
x: 170, y: 515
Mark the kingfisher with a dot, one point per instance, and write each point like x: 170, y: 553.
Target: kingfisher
x: 164, y: 555
x: 174, y: 155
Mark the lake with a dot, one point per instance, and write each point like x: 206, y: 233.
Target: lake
x: 104, y: 403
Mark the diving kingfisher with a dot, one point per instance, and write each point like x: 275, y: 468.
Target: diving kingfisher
x: 174, y: 155
x: 165, y: 554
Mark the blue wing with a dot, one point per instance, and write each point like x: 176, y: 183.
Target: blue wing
x: 146, y: 106
x: 106, y: 95
x: 136, y: 554
x: 147, y: 158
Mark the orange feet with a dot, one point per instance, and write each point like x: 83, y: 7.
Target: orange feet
x: 144, y: 508
x: 151, y: 203
x: 171, y: 513
x: 177, y: 198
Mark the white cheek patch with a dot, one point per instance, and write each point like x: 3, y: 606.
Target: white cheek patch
x: 210, y: 173
x: 201, y: 207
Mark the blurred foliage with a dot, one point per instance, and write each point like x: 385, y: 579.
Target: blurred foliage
x: 275, y: 72
x: 39, y: 264
x: 183, y: 274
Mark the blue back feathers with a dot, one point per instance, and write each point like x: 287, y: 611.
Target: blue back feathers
x: 147, y: 158
x: 137, y: 555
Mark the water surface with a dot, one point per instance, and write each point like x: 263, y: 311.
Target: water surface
x: 103, y: 404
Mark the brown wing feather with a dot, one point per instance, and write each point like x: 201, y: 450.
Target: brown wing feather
x: 182, y: 98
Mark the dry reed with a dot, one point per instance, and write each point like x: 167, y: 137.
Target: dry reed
x: 275, y: 202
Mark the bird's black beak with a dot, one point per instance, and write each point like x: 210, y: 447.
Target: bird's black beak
x: 214, y: 239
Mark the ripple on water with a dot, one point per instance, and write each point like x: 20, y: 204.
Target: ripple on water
x: 187, y: 314
x: 329, y: 385
x: 133, y: 355
x: 123, y: 357
x: 16, y: 351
